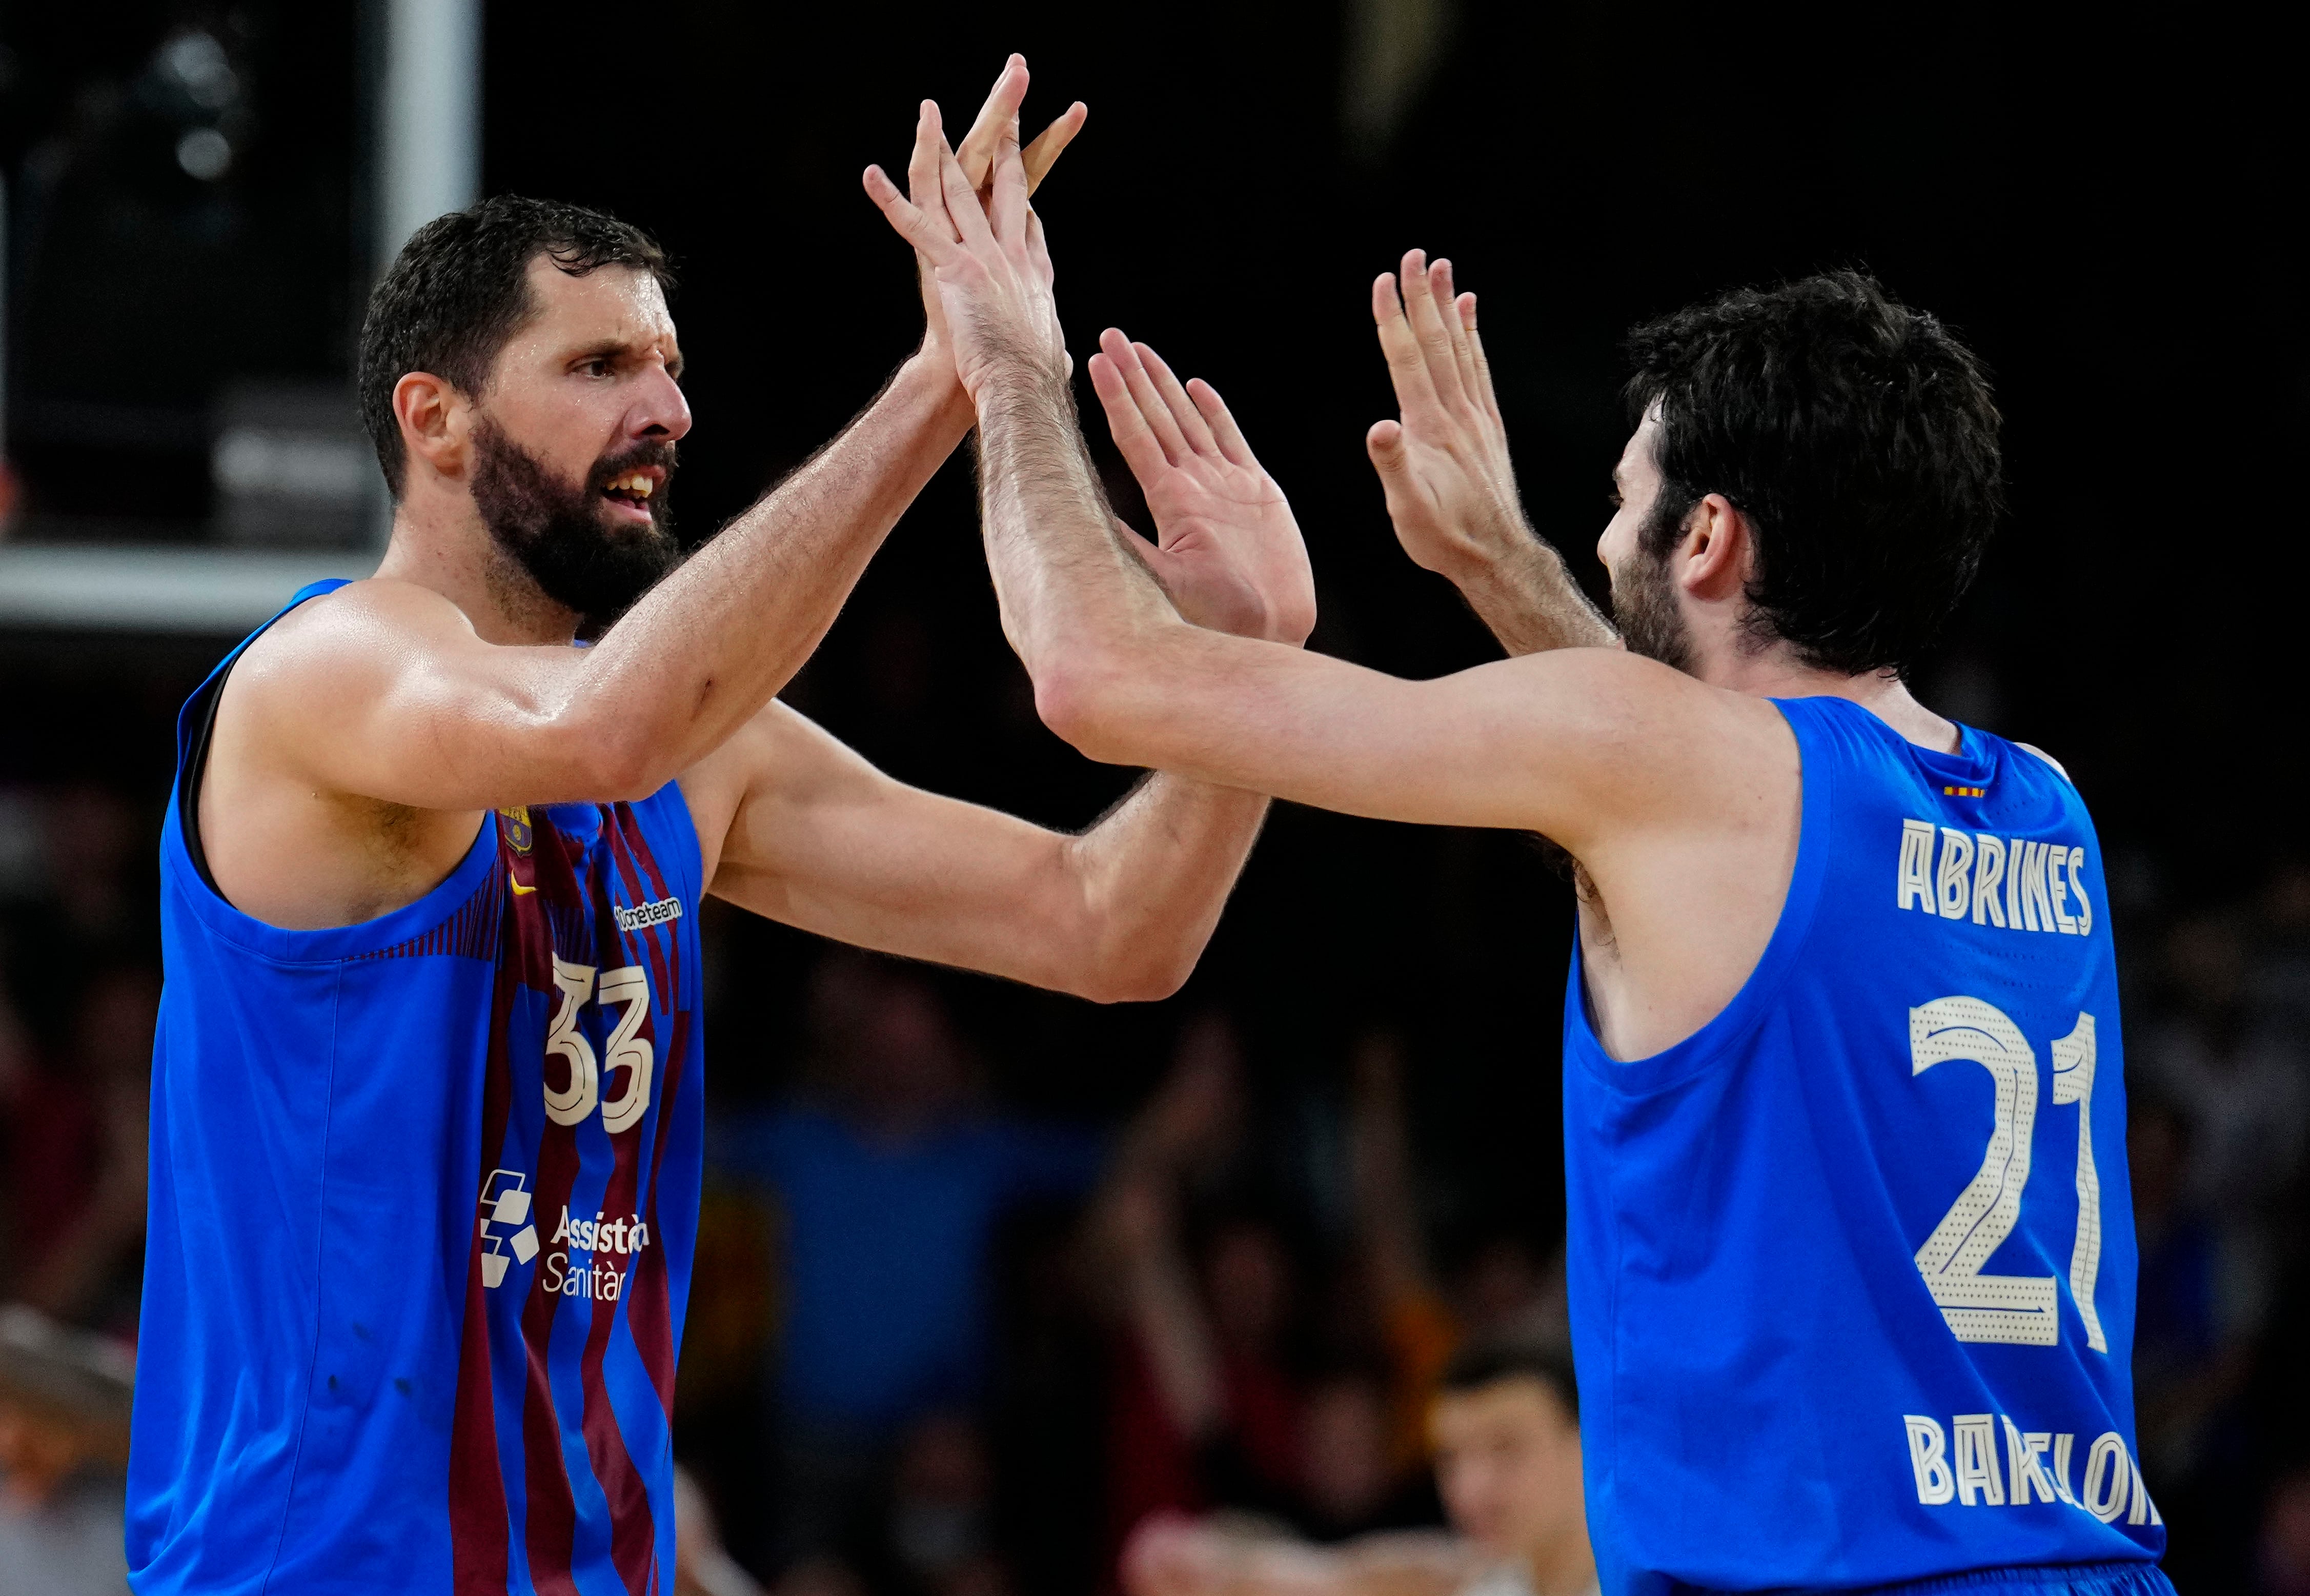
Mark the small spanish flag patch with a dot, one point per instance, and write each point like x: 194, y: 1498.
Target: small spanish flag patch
x: 1966, y: 792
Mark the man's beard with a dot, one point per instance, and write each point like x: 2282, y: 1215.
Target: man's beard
x: 558, y: 531
x: 1644, y: 607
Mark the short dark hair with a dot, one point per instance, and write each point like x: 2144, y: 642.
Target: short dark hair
x: 459, y: 289
x: 1856, y: 434
x: 1487, y: 1359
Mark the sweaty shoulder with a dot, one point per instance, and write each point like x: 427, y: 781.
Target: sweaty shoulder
x: 1612, y: 685
x: 379, y: 616
x: 321, y: 676
x: 1641, y: 739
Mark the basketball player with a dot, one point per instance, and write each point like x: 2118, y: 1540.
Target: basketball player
x: 1506, y: 1430
x: 426, y: 1114
x: 1851, y: 1258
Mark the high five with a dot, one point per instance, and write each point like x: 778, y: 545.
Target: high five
x: 1852, y: 1265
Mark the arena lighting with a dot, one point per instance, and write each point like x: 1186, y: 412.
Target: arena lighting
x: 204, y: 153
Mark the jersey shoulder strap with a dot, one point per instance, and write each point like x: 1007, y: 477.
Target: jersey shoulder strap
x: 197, y: 723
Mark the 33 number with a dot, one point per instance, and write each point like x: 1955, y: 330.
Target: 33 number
x: 625, y: 1050
x: 2020, y: 1310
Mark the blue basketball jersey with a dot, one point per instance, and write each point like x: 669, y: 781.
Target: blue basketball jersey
x: 1852, y: 1268
x: 424, y: 1193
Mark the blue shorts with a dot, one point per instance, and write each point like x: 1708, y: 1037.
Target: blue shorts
x: 2067, y: 1579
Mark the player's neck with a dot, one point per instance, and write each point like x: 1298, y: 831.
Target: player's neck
x: 1775, y: 673
x: 439, y: 542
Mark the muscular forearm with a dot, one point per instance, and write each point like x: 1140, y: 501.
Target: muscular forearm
x: 714, y: 642
x: 1155, y: 874
x: 1156, y: 869
x: 1061, y: 575
x: 1521, y: 588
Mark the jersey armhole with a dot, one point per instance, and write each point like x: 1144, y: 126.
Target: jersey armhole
x: 2030, y: 747
x: 195, y: 742
x: 196, y: 764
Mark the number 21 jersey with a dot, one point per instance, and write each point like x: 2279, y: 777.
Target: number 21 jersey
x: 1852, y: 1268
x: 424, y: 1196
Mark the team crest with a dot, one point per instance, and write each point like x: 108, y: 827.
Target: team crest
x: 514, y: 823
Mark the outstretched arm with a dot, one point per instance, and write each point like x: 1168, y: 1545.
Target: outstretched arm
x: 1451, y: 490
x: 800, y: 828
x: 1670, y: 793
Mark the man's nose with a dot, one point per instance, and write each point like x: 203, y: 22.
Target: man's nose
x: 663, y: 410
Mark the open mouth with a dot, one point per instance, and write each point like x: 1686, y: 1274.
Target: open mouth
x: 634, y: 489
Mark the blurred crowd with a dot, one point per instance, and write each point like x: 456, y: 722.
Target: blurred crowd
x: 941, y: 1345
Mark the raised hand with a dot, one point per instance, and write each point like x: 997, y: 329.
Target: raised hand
x: 1451, y: 490
x: 998, y: 116
x: 977, y: 151
x: 988, y: 261
x: 1226, y: 550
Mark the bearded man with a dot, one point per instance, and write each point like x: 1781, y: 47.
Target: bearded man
x: 427, y: 1094
x: 1832, y: 1333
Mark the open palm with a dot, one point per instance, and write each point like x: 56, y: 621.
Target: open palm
x: 1226, y: 550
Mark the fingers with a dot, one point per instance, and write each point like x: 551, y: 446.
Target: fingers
x: 1428, y: 326
x: 977, y: 151
x: 1384, y: 444
x: 1232, y: 443
x: 1407, y: 368
x: 1040, y: 156
x: 1466, y: 307
x: 1447, y: 312
x: 1189, y: 420
x: 926, y: 233
x: 962, y: 207
x: 1156, y: 414
x: 923, y: 167
x: 1009, y: 207
x: 1137, y: 443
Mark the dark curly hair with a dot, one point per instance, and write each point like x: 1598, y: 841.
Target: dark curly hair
x: 1858, y: 438
x: 459, y: 289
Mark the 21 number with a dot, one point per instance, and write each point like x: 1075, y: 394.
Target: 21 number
x: 2020, y: 1310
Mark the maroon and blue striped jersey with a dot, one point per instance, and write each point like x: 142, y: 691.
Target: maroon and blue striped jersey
x: 424, y: 1194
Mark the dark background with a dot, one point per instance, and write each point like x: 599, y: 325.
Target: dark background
x: 2101, y: 209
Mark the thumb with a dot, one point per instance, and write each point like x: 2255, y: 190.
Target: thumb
x: 1384, y: 444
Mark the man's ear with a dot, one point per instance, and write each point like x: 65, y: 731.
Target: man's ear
x: 1718, y: 553
x: 435, y: 422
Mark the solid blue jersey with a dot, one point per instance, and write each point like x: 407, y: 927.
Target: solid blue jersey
x: 424, y: 1194
x: 1852, y: 1268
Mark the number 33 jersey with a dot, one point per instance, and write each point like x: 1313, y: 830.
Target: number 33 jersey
x: 1852, y: 1268
x: 424, y: 1193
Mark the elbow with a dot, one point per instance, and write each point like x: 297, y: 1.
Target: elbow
x: 1077, y: 695
x: 1136, y: 978
x: 611, y: 762
x: 629, y: 771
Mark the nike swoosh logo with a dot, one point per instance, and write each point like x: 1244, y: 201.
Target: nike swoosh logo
x: 518, y: 889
